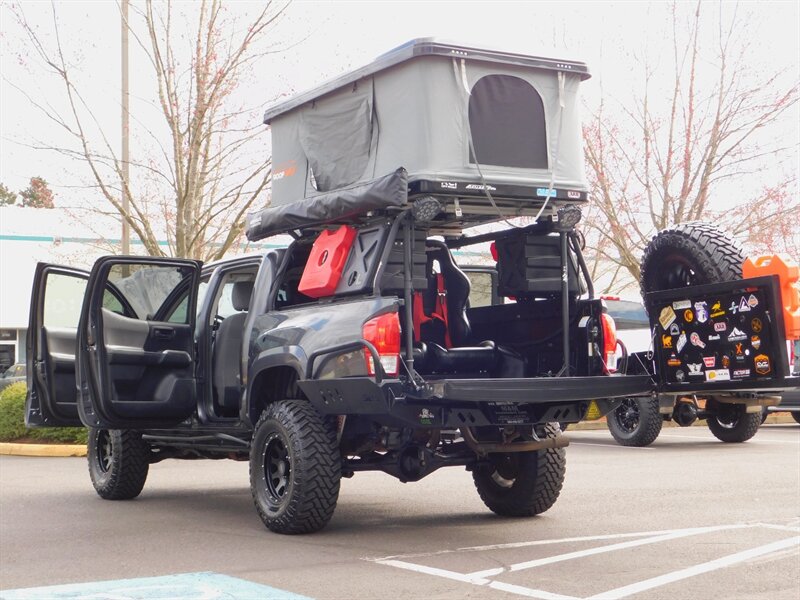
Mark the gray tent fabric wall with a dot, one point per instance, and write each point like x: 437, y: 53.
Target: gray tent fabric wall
x: 414, y: 114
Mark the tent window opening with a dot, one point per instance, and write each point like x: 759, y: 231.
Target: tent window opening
x: 506, y: 117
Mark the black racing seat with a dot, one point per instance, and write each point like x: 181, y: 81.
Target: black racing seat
x: 227, y: 359
x: 457, y: 285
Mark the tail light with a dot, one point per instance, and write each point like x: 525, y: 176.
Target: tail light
x: 609, y: 342
x: 383, y: 332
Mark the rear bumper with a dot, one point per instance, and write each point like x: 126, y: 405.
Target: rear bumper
x: 473, y: 402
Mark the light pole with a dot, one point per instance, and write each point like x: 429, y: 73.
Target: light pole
x: 126, y: 234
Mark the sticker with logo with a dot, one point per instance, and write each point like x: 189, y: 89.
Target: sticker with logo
x: 737, y: 335
x: 667, y: 317
x: 743, y: 305
x: 740, y: 352
x: 713, y: 338
x: 681, y: 304
x: 756, y: 325
x: 573, y: 195
x: 680, y: 375
x: 701, y: 311
x: 426, y: 417
x: 733, y: 308
x: 756, y: 342
x: 674, y: 361
x: 666, y: 340
x: 717, y: 310
x: 726, y: 361
x: 752, y: 301
x: 681, y: 341
x: 710, y: 361
x: 718, y: 375
x: 688, y: 316
x: 695, y: 369
x: 739, y: 373
x: 762, y: 364
x: 720, y: 327
x: 696, y: 341
x: 674, y: 329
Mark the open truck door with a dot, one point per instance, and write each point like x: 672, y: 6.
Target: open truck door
x: 56, y: 301
x: 136, y: 348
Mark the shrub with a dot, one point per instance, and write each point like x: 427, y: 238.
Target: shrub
x: 12, y: 412
x: 12, y: 421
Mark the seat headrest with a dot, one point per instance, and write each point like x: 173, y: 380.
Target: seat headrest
x: 240, y: 295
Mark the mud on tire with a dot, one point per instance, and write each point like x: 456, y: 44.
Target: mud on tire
x: 635, y: 422
x: 295, y: 468
x: 522, y: 484
x: 119, y: 461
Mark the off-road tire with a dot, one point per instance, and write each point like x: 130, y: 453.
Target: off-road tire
x: 118, y: 462
x: 522, y: 484
x: 689, y: 254
x: 635, y: 422
x: 295, y: 468
x: 730, y: 423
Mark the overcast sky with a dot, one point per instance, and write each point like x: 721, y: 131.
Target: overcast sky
x: 337, y: 36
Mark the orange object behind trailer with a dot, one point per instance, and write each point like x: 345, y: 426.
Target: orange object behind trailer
x: 789, y: 273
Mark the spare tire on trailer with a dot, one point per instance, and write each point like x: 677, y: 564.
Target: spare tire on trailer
x: 690, y: 254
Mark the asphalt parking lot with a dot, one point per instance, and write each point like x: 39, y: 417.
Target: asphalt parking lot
x: 688, y: 517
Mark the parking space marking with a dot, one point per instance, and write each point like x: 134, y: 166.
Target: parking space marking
x: 712, y: 565
x: 674, y: 535
x: 485, y: 577
x: 201, y: 586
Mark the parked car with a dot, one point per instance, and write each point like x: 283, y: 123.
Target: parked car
x: 13, y: 374
x: 790, y: 401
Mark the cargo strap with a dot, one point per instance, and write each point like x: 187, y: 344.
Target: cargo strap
x: 439, y: 311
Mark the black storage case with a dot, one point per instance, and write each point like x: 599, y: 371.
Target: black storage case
x: 531, y: 265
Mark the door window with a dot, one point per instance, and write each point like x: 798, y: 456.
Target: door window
x: 154, y: 292
x: 63, y: 300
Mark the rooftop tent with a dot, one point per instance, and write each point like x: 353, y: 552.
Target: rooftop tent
x: 460, y: 121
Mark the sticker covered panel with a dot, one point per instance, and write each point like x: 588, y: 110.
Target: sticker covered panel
x: 726, y: 332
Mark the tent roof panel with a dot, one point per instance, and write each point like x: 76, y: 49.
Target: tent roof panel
x: 425, y: 47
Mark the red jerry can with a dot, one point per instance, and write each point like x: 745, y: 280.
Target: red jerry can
x: 326, y: 262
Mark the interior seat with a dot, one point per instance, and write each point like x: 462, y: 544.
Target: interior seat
x: 227, y: 358
x: 457, y: 287
x: 463, y: 353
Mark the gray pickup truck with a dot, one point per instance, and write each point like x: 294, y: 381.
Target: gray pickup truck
x: 357, y: 347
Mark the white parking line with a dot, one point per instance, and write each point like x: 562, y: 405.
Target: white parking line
x: 712, y: 565
x: 485, y: 579
x: 681, y: 533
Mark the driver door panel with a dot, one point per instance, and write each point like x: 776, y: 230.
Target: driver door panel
x: 138, y: 369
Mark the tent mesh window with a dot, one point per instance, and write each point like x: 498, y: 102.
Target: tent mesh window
x: 506, y: 117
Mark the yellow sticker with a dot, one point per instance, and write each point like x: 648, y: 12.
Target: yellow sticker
x: 688, y: 316
x: 593, y: 412
x: 667, y: 317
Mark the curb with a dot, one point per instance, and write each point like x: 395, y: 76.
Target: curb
x: 12, y: 449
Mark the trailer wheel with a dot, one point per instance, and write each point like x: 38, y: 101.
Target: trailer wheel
x: 635, y: 422
x: 731, y: 422
x: 295, y: 468
x: 522, y: 484
x: 690, y: 254
x: 118, y: 463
